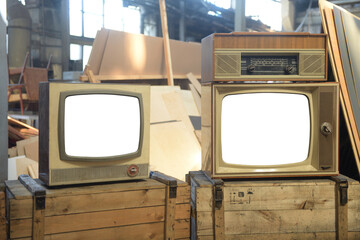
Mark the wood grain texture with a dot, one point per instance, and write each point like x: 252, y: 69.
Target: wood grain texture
x: 270, y: 40
x: 326, y: 9
x: 136, y: 56
x: 3, y: 223
x: 279, y: 209
x: 165, y: 33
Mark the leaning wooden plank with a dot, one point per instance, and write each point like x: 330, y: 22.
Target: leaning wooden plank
x: 176, y: 108
x: 165, y: 33
x: 13, y: 121
x: 329, y: 26
x: 174, y: 149
x: 194, y: 82
x: 189, y: 103
x: 196, y: 96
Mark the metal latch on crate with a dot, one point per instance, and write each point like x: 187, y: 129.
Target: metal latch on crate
x: 343, y: 186
x: 218, y: 194
x: 38, y: 191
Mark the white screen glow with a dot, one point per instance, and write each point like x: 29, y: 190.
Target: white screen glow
x: 101, y: 125
x: 265, y: 128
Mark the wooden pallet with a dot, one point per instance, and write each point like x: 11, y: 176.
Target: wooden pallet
x: 274, y: 209
x: 144, y: 209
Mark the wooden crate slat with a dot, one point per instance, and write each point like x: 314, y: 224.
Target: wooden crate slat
x: 276, y: 198
x: 182, y: 229
x: 85, y: 221
x: 281, y: 221
x: 274, y: 209
x: 89, y: 203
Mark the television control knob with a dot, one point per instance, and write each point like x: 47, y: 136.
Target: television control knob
x: 251, y: 68
x: 326, y: 128
x: 133, y: 170
x: 289, y: 69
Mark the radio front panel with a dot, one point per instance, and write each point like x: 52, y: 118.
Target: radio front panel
x: 269, y: 64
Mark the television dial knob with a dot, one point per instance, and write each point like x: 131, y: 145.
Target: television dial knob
x: 326, y: 128
x: 133, y: 170
x: 289, y: 69
x: 251, y: 68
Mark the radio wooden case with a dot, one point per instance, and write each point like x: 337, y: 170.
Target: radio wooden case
x: 264, y: 57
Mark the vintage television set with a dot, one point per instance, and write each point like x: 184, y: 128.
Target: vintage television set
x: 256, y: 121
x: 93, y: 132
x: 270, y: 130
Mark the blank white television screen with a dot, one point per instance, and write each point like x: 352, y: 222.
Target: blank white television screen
x: 265, y: 128
x: 101, y: 125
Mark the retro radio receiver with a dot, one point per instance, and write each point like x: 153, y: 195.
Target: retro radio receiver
x: 264, y: 57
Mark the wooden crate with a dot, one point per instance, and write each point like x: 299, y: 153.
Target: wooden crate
x: 273, y: 209
x: 143, y: 209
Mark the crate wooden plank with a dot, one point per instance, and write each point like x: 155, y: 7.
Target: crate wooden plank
x: 243, y: 198
x: 286, y: 236
x: 20, y: 192
x: 89, y: 203
x: 282, y: 221
x: 134, y: 232
x: 2, y: 216
x: 280, y: 209
x: 84, y: 221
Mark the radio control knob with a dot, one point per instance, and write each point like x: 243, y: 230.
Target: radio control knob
x: 289, y: 69
x: 251, y: 68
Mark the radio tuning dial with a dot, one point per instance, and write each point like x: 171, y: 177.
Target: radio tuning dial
x: 251, y: 68
x: 289, y: 69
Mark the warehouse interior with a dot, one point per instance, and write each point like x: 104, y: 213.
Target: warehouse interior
x: 173, y: 48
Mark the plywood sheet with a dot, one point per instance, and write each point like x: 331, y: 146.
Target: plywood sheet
x: 137, y: 54
x: 97, y: 51
x: 20, y: 145
x: 189, y: 103
x: 342, y: 35
x: 174, y: 149
x: 158, y: 110
x: 32, y: 150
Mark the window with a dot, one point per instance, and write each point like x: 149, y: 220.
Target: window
x: 86, y: 17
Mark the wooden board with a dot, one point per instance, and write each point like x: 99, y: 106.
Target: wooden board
x: 121, y: 55
x: 349, y: 104
x: 174, y: 149
x: 86, y: 211
x: 20, y: 145
x: 32, y: 150
x: 261, y: 208
x: 2, y: 216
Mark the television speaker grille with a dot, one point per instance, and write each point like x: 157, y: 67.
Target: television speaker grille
x: 79, y: 175
x: 312, y: 64
x: 227, y: 64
